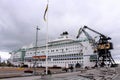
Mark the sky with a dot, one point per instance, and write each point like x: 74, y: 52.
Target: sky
x: 19, y: 18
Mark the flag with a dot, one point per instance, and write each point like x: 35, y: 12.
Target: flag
x: 45, y: 12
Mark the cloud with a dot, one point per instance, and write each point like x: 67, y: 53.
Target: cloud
x: 18, y: 22
x: 3, y: 57
x: 19, y: 18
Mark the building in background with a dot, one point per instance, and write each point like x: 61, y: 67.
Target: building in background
x: 62, y: 52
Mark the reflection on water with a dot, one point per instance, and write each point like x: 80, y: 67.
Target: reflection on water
x: 65, y: 78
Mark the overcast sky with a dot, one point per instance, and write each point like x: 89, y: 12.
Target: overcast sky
x: 18, y: 19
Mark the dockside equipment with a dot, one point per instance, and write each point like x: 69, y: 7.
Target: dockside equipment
x: 102, y: 47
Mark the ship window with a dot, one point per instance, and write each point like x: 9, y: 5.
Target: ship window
x: 62, y: 50
x: 66, y: 49
x: 56, y: 49
x: 52, y: 50
x: 42, y: 51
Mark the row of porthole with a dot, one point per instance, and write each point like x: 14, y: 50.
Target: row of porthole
x: 68, y: 59
x: 63, y: 62
x: 60, y: 50
x: 67, y: 55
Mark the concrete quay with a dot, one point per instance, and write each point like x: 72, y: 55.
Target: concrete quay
x: 91, y: 74
x: 60, y: 76
x: 100, y: 74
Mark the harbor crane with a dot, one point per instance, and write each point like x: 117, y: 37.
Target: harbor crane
x: 102, y: 47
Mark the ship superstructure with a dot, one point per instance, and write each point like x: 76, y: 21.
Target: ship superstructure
x: 62, y: 52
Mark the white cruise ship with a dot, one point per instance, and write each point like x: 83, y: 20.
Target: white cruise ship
x: 62, y: 52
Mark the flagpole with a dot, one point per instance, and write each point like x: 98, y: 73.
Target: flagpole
x: 47, y: 40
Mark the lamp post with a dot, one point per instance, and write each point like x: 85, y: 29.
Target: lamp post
x: 36, y: 49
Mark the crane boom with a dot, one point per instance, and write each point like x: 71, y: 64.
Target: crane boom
x: 89, y: 37
x: 103, y: 46
x: 94, y: 31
